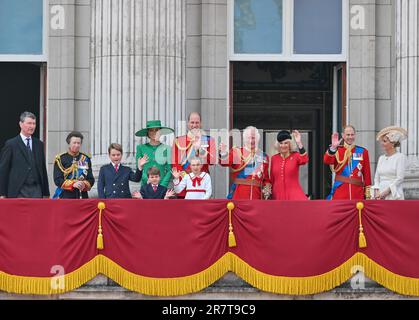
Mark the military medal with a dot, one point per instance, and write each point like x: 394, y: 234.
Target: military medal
x: 358, y: 156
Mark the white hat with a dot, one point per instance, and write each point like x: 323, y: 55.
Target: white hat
x: 393, y: 133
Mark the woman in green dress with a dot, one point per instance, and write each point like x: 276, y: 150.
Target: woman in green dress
x: 155, y: 153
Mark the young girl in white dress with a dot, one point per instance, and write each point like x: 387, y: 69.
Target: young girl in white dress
x: 391, y: 167
x: 196, y: 183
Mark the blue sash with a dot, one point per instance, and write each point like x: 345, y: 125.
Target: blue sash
x: 346, y: 172
x: 185, y: 166
x: 247, y: 171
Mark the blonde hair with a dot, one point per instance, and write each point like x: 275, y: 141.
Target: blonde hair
x: 195, y: 159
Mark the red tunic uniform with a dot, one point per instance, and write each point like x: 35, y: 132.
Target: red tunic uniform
x: 285, y: 176
x: 353, y: 174
x: 249, y: 173
x: 183, y: 152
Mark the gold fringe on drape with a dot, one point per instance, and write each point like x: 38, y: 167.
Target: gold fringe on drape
x: 196, y: 282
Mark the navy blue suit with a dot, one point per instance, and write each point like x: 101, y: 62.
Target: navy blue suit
x: 112, y: 184
x: 147, y: 192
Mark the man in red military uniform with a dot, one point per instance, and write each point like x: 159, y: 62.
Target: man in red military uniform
x: 193, y: 144
x: 249, y: 168
x: 351, y: 166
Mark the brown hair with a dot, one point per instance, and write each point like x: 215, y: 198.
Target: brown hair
x: 115, y: 146
x: 153, y: 171
x: 395, y: 144
x: 74, y: 134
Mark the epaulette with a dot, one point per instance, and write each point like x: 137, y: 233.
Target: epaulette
x: 60, y: 165
x: 58, y: 156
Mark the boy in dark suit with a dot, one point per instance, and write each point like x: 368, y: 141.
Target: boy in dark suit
x: 114, y: 178
x: 153, y: 189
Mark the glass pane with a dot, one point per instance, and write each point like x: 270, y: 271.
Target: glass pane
x: 318, y: 26
x: 21, y: 26
x: 258, y: 26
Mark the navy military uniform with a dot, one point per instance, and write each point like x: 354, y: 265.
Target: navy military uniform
x: 68, y: 169
x: 114, y: 183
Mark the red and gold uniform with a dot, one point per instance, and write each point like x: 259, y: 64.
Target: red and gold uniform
x: 249, y: 172
x: 184, y: 151
x: 351, y: 165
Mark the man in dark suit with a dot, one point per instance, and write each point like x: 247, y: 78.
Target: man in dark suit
x: 114, y: 177
x: 23, y: 172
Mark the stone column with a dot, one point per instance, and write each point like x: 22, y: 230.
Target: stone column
x: 207, y: 72
x: 407, y: 87
x: 362, y: 78
x: 68, y: 76
x: 137, y: 64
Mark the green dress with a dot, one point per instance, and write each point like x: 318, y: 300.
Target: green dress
x: 159, y: 156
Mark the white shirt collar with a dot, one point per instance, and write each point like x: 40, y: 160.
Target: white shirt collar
x: 200, y: 175
x: 24, y: 138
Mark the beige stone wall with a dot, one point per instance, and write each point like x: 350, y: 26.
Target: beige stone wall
x: 370, y: 74
x: 68, y: 103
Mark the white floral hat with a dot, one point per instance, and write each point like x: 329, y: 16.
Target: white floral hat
x: 393, y: 133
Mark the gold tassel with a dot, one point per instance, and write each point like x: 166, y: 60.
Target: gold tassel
x: 231, y: 237
x: 362, y: 241
x: 99, y: 241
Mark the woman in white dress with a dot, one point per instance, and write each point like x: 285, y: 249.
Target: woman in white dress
x: 389, y: 175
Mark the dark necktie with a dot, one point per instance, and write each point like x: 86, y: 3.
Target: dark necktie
x: 28, y: 145
x: 154, y: 188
